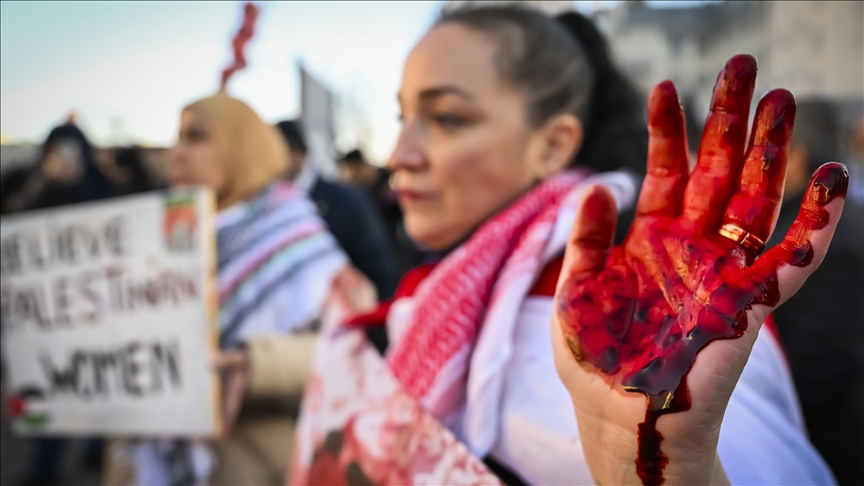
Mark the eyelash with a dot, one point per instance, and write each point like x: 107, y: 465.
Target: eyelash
x: 448, y: 120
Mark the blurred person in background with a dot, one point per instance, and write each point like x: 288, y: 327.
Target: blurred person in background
x: 349, y: 213
x: 511, y: 121
x: 375, y: 181
x: 856, y: 162
x: 66, y: 173
x: 12, y: 183
x: 130, y: 174
x: 822, y: 327
x: 276, y: 263
x: 354, y: 167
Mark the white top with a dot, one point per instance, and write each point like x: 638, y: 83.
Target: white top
x: 762, y: 440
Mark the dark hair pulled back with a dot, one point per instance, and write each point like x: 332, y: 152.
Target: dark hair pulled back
x: 563, y: 65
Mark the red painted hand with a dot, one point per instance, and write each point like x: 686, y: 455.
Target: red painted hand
x: 636, y: 316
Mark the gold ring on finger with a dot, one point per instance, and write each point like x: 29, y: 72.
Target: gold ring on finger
x: 742, y: 237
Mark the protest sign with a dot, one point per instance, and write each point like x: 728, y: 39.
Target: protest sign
x: 109, y: 317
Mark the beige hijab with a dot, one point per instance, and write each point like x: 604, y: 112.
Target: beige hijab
x: 253, y: 153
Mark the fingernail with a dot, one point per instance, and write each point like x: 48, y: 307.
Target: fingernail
x: 665, y: 110
x: 831, y: 180
x: 775, y: 117
x: 737, y: 77
x: 598, y: 209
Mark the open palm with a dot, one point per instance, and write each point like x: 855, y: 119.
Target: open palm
x: 633, y: 318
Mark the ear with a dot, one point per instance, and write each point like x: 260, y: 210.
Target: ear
x: 557, y: 141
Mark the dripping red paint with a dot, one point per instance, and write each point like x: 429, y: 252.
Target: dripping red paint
x: 627, y: 328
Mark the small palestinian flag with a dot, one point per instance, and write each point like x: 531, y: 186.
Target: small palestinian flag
x: 28, y: 407
x: 180, y: 221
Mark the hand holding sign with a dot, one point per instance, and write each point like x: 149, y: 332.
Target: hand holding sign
x: 233, y: 366
x: 108, y: 317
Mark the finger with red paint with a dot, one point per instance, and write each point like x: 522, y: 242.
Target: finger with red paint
x: 721, y: 152
x: 753, y: 210
x: 591, y: 236
x: 806, y: 243
x: 668, y: 168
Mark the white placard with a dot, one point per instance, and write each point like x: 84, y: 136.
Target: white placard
x: 109, y: 317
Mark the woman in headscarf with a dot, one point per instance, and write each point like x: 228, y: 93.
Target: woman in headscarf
x: 276, y: 262
x: 507, y: 115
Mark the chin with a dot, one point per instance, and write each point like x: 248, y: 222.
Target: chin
x: 428, y: 236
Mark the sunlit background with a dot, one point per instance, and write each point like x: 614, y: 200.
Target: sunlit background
x: 124, y: 70
x: 127, y: 68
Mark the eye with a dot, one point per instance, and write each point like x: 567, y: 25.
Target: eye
x: 449, y: 120
x: 194, y: 135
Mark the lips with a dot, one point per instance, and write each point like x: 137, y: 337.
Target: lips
x: 407, y: 195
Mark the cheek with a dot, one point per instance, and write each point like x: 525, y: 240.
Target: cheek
x: 204, y: 168
x: 474, y: 177
x: 483, y: 176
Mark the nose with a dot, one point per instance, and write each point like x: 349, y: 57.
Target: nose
x: 407, y: 153
x: 173, y: 156
x: 173, y: 162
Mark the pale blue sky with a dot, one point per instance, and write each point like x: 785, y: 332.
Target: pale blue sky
x: 140, y: 63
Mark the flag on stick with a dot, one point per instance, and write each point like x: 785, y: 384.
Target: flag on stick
x: 238, y: 44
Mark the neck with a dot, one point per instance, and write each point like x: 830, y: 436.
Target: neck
x: 489, y: 216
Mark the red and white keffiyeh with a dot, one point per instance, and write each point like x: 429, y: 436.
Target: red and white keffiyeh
x: 431, y: 356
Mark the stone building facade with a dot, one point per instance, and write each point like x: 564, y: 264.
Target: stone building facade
x: 812, y: 48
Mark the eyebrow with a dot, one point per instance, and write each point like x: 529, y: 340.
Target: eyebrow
x: 432, y: 93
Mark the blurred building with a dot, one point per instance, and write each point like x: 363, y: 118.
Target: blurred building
x: 812, y: 48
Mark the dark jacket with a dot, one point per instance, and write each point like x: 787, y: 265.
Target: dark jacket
x: 353, y: 220
x: 408, y: 254
x: 92, y: 186
x: 822, y: 330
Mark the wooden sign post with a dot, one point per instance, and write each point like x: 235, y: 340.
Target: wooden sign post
x: 109, y: 317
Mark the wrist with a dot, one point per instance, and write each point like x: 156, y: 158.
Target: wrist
x: 621, y: 468
x: 694, y: 468
x: 615, y: 454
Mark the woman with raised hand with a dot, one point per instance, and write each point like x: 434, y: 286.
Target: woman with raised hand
x: 462, y: 380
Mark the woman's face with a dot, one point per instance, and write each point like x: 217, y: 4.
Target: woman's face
x: 465, y: 149
x: 195, y: 158
x: 64, y: 162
